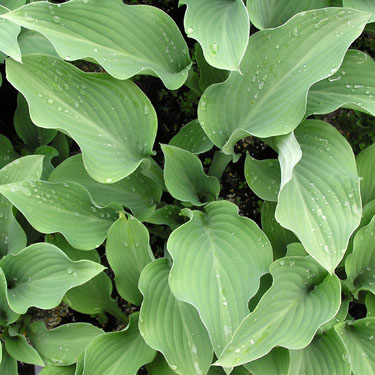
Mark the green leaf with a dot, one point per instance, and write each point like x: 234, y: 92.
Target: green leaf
x: 12, y: 236
x: 96, y: 110
x: 18, y: 348
x: 12, y: 4
x: 8, y: 365
x: 125, y: 350
x: 93, y: 297
x: 7, y: 154
x: 358, y: 337
x: 303, y: 297
x: 30, y: 134
x: 352, y: 86
x: 295, y: 249
x: 288, y: 61
x: 370, y: 304
x: 278, y: 236
x: 276, y: 362
x: 58, y: 370
x: 159, y: 366
x: 207, y: 73
x: 263, y: 177
x: 320, y: 201
x: 33, y: 42
x: 218, y: 259
x: 192, y: 138
x: 167, y: 215
x: 8, y: 37
x: 221, y: 27
x: 326, y: 354
x: 185, y: 343
x: 49, y: 153
x: 360, y: 264
x: 41, y: 274
x: 7, y: 315
x: 62, y: 207
x: 365, y: 165
x: 137, y: 192
x: 185, y: 179
x: 61, y: 346
x: 159, y: 50
x: 363, y: 5
x: 128, y: 251
x: 265, y: 14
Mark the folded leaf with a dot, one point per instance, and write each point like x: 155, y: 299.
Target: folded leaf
x: 128, y: 251
x: 326, y: 354
x: 158, y: 48
x: 185, y: 179
x: 352, y: 86
x: 96, y: 110
x: 62, y: 207
x: 8, y: 36
x: 185, y: 343
x: 320, y: 201
x: 218, y: 259
x: 364, y: 5
x: 358, y: 336
x: 288, y: 61
x: 125, y: 350
x: 41, y: 274
x: 276, y: 362
x: 61, y: 346
x: 303, y: 297
x: 221, y: 27
x: 365, y: 165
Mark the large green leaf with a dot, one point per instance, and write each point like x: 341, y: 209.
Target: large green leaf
x: 61, y: 346
x: 326, y: 354
x: 41, y: 274
x: 218, y: 259
x: 6, y: 151
x: 221, y: 27
x: 365, y: 165
x: 158, y: 50
x: 137, y: 192
x: 62, y: 207
x: 303, y: 297
x: 358, y: 336
x: 265, y: 14
x: 320, y: 201
x: 96, y: 110
x: 12, y: 236
x: 276, y: 362
x: 352, y: 86
x: 288, y: 61
x: 360, y: 264
x: 118, y: 352
x: 185, y: 343
x: 8, y: 36
x: 364, y: 5
x: 128, y: 251
x: 7, y: 315
x: 30, y: 134
x: 185, y: 179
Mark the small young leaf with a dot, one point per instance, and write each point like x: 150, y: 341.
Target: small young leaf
x: 276, y: 362
x: 8, y: 365
x: 8, y: 36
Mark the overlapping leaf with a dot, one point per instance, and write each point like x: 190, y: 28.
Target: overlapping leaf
x: 7, y: 153
x: 218, y: 259
x: 62, y: 207
x: 12, y: 4
x: 276, y: 362
x: 185, y: 343
x: 364, y: 5
x: 58, y: 370
x: 41, y: 274
x: 8, y: 365
x: 320, y: 201
x: 288, y: 61
x: 352, y: 86
x: 221, y: 27
x: 303, y: 297
x: 7, y: 315
x: 96, y: 110
x: 8, y: 36
x: 365, y: 165
x: 34, y: 42
x: 158, y: 48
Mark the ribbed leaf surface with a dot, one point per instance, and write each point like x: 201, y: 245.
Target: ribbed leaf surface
x: 364, y: 5
x: 8, y: 36
x: 96, y: 110
x: 218, y: 259
x: 321, y: 202
x: 288, y: 61
x: 303, y: 297
x: 118, y: 352
x: 158, y: 48
x: 352, y: 86
x: 185, y: 343
x: 221, y: 27
x: 365, y: 165
x: 276, y: 362
x: 41, y: 274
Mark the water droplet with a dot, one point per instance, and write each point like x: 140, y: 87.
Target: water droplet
x: 214, y: 48
x: 173, y: 367
x: 145, y: 110
x: 56, y: 19
x: 69, y: 270
x: 50, y: 101
x: 108, y: 180
x: 189, y: 30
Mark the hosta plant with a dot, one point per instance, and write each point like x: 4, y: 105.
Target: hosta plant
x: 132, y: 222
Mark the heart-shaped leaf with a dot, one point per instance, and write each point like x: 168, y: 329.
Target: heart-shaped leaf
x: 159, y: 49
x: 8, y: 36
